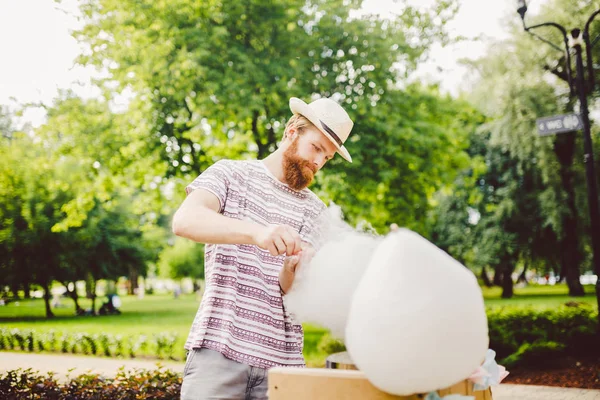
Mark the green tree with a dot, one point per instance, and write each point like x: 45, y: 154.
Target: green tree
x: 412, y: 143
x: 213, y: 79
x: 30, y: 207
x: 115, y: 182
x: 517, y: 83
x: 185, y: 259
x: 90, y: 213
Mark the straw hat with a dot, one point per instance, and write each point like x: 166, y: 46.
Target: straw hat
x: 330, y: 118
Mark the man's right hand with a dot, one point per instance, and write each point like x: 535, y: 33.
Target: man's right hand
x: 278, y: 240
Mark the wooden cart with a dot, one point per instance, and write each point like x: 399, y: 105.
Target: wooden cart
x: 341, y: 381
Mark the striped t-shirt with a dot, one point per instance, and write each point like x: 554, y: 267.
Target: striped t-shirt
x: 242, y: 313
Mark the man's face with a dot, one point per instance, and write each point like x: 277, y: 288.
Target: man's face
x: 305, y: 156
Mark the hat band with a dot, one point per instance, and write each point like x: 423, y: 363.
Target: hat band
x: 331, y: 133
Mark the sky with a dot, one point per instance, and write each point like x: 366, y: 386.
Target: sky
x: 38, y: 51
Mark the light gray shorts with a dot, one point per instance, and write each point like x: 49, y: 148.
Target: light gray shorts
x: 209, y: 375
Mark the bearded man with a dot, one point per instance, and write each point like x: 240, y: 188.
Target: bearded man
x: 257, y: 218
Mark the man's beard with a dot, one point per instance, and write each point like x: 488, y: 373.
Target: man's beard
x: 298, y: 172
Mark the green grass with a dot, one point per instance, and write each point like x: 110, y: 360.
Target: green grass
x: 153, y: 314
x: 537, y: 296
x: 163, y: 313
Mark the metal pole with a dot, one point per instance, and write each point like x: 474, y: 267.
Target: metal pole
x: 588, y: 159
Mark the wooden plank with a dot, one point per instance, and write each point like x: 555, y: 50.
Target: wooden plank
x: 327, y: 384
x: 323, y: 384
x: 458, y: 388
x: 469, y: 388
x: 487, y: 395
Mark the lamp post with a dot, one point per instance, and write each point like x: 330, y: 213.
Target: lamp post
x: 582, y: 87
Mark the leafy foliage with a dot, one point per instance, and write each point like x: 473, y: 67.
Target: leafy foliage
x: 184, y: 259
x: 530, y: 199
x: 140, y: 384
x: 160, y: 345
x: 213, y: 79
x: 515, y: 332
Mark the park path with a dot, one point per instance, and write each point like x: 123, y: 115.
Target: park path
x: 61, y: 364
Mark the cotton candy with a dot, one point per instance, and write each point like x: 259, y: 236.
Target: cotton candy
x: 417, y: 321
x: 324, y: 285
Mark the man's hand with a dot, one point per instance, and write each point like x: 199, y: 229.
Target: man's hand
x: 278, y: 240
x: 291, y: 264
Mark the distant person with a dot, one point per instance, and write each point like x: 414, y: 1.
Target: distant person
x: 56, y: 303
x: 256, y: 218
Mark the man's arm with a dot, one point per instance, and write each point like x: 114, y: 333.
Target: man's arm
x: 198, y: 219
x: 288, y: 273
x: 291, y: 265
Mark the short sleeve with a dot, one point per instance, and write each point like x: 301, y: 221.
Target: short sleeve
x: 215, y: 179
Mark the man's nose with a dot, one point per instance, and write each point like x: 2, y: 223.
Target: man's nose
x: 319, y: 162
x: 322, y: 159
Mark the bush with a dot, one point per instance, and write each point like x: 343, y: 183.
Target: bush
x: 165, y: 344
x: 140, y: 384
x: 160, y: 346
x: 330, y: 345
x: 5, y: 337
x: 526, y: 333
x: 528, y: 336
x: 535, y: 354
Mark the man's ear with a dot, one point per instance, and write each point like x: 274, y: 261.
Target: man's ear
x: 291, y: 132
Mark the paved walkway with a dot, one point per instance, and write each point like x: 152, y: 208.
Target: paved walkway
x: 61, y: 364
x: 79, y: 364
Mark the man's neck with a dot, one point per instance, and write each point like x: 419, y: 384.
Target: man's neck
x: 274, y: 163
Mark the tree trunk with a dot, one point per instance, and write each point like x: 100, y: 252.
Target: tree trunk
x: 92, y: 291
x: 27, y: 289
x: 507, y: 285
x: 74, y: 296
x: 88, y: 287
x: 14, y: 288
x: 522, y: 276
x: 46, y: 287
x: 497, y: 280
x: 133, y: 280
x: 485, y: 278
x: 263, y: 149
x: 507, y: 267
x: 575, y: 287
x: 570, y: 259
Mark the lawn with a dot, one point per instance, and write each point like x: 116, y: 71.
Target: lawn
x: 153, y: 314
x: 538, y: 296
x: 163, y: 313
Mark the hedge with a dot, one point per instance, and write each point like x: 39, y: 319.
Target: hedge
x: 519, y: 335
x: 160, y: 345
x: 139, y: 384
x: 530, y: 336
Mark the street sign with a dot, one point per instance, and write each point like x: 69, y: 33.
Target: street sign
x: 559, y: 124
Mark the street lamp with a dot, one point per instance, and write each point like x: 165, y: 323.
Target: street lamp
x: 583, y: 87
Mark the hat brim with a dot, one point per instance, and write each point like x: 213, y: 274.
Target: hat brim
x: 300, y: 107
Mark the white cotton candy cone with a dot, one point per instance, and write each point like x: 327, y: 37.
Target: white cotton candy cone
x: 417, y: 321
x: 323, y: 288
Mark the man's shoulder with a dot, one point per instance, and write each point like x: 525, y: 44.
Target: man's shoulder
x: 316, y: 202
x: 237, y: 166
x: 227, y: 162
